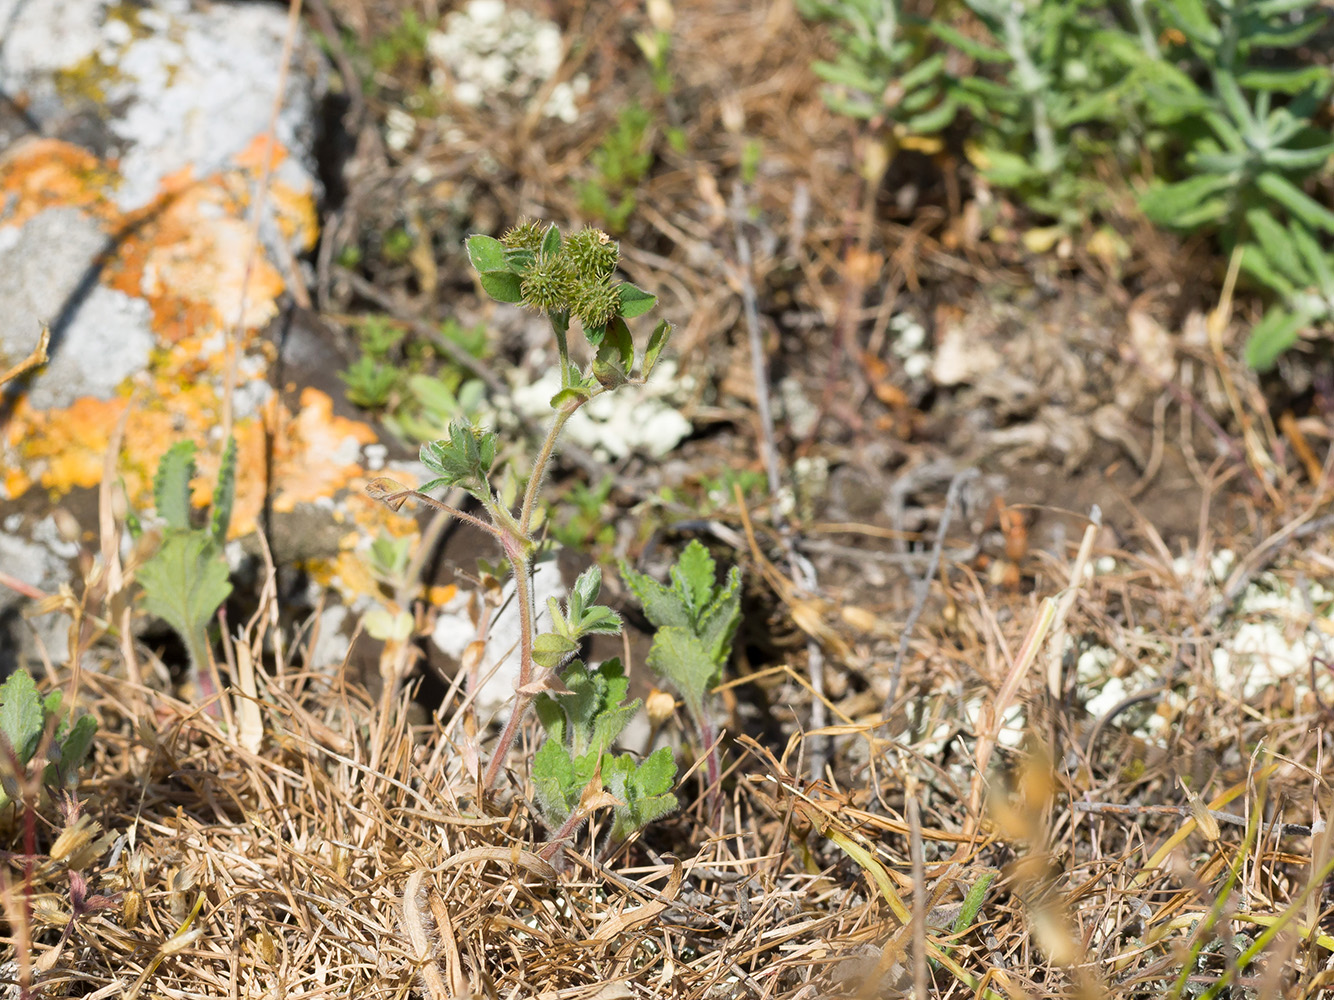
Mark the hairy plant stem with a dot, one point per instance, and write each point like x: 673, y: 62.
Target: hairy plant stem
x: 518, y: 552
x: 540, y: 464
x: 708, y: 737
x: 567, y: 829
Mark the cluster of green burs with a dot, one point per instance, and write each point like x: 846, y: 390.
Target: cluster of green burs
x: 572, y: 276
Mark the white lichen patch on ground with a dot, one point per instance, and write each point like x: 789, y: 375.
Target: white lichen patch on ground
x: 1277, y: 633
x: 499, y: 668
x: 488, y: 50
x: 640, y: 419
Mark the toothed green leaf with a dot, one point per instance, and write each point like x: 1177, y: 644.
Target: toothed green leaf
x: 694, y: 577
x: 644, y: 790
x: 171, y: 485
x: 682, y: 659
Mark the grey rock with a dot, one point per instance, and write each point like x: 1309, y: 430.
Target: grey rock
x: 48, y: 275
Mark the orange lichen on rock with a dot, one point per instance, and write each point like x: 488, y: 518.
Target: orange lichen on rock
x: 38, y: 174
x: 193, y: 258
x: 64, y: 449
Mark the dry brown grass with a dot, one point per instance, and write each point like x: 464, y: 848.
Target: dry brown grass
x: 310, y: 841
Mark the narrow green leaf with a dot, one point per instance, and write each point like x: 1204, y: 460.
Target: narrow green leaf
x: 656, y: 342
x: 1277, y: 246
x: 224, y: 493
x: 171, y: 485
x: 1318, y: 264
x: 1277, y: 330
x: 1169, y: 203
x: 1300, y: 204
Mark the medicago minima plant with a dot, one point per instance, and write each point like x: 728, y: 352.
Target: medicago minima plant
x: 581, y: 708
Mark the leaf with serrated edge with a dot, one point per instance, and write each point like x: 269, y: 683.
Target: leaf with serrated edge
x: 662, y: 607
x: 680, y: 657
x: 171, y: 485
x: 694, y: 577
x: 718, y: 624
x: 644, y: 790
x: 21, y: 715
x: 185, y: 581
x: 553, y: 774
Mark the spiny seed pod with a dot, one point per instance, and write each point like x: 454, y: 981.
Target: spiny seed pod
x: 593, y: 253
x: 595, y: 302
x: 527, y: 235
x: 549, y: 285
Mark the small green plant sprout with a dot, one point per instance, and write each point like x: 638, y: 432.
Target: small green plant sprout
x: 884, y: 70
x: 370, y: 383
x: 1290, y: 262
x: 573, y: 771
x: 566, y: 279
x: 696, y: 621
x: 185, y: 581
x: 621, y: 162
x: 25, y: 719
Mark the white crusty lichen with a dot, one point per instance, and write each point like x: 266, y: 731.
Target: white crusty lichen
x: 616, y: 424
x: 488, y: 50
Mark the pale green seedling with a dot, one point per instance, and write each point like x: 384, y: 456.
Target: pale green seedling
x: 696, y: 620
